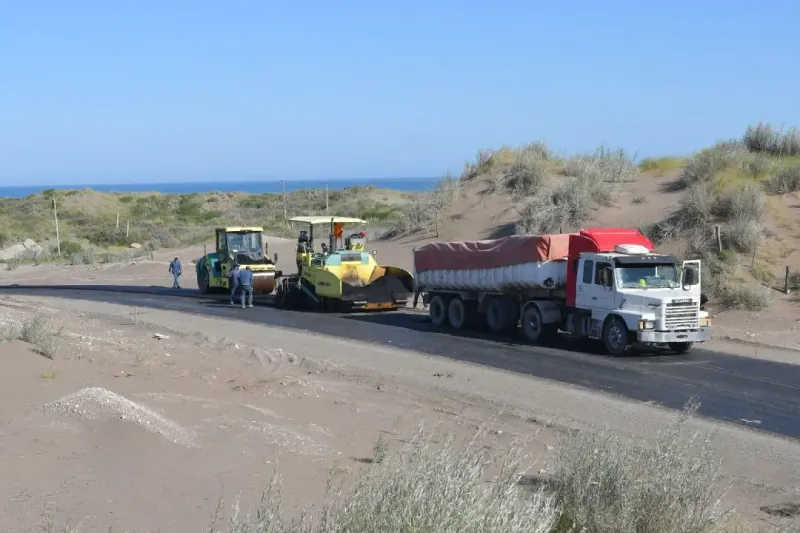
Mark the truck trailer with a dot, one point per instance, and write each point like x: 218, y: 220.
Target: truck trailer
x: 607, y: 284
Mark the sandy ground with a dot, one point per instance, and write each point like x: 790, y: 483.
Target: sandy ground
x: 142, y: 425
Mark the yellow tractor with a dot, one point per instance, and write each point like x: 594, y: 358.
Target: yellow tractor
x: 237, y: 245
x: 341, y: 275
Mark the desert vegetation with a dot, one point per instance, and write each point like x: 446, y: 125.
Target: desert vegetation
x: 599, y: 483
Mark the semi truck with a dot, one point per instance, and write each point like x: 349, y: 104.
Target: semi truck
x: 606, y: 284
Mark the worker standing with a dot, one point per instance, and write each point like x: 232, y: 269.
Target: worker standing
x: 246, y: 286
x: 233, y: 278
x: 176, y: 270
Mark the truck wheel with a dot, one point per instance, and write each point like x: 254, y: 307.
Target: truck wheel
x: 437, y: 310
x: 680, y: 347
x: 202, y: 281
x: 615, y: 336
x: 534, y: 328
x: 502, y: 315
x: 461, y: 314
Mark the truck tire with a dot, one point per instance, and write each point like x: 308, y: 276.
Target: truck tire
x: 202, y: 281
x: 534, y: 328
x: 460, y: 313
x: 437, y: 310
x: 615, y: 336
x: 680, y: 347
x: 502, y: 315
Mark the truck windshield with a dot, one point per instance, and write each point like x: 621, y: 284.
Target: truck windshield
x: 248, y: 243
x: 647, y: 276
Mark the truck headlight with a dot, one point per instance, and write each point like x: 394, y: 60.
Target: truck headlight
x: 647, y: 324
x: 705, y: 322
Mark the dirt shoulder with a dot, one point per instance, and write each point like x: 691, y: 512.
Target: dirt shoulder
x: 233, y: 398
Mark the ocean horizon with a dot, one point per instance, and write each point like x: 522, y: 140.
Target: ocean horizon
x: 249, y: 187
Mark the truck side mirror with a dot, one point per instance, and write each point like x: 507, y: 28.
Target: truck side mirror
x: 275, y: 257
x: 689, y: 277
x: 375, y: 252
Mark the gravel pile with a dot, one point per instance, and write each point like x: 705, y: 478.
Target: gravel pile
x: 95, y: 403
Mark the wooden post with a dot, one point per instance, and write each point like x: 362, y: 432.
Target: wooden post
x: 58, y: 236
x: 283, y: 188
x: 753, y: 260
x: 326, y: 198
x: 117, y: 221
x: 127, y: 229
x: 718, y: 234
x: 786, y: 281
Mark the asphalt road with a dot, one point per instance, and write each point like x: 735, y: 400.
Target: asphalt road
x: 760, y: 394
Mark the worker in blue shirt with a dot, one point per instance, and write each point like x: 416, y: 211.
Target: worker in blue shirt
x: 233, y: 277
x: 246, y: 286
x: 176, y: 270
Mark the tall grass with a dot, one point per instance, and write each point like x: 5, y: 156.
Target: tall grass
x: 765, y: 138
x: 607, y: 485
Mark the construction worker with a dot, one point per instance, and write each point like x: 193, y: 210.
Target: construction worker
x: 176, y: 270
x: 233, y: 277
x: 246, y: 286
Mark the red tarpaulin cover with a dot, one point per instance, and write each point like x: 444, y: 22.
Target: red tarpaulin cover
x: 495, y: 253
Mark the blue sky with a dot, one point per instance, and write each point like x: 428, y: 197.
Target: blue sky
x: 127, y: 91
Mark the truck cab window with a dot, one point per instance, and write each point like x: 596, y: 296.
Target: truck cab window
x: 587, y: 271
x: 598, y: 270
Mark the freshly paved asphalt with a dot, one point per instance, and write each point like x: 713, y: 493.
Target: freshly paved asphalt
x: 762, y: 395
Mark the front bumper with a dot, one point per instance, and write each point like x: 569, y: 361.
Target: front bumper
x: 665, y: 337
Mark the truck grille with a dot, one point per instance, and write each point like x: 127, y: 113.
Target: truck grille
x: 683, y: 315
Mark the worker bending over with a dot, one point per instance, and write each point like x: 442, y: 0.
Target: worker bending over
x: 233, y: 277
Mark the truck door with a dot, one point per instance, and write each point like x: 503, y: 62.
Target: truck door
x: 605, y: 295
x: 590, y: 292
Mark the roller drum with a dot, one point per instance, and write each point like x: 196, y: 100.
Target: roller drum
x: 263, y: 282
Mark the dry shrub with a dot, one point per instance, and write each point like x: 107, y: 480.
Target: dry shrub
x: 705, y: 165
x: 749, y: 295
x: 419, y: 489
x: 608, y: 485
x: 612, y: 165
x: 36, y: 330
x: 785, y: 181
x: 764, y: 138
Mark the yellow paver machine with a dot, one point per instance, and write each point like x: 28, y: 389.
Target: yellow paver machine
x: 341, y: 275
x: 244, y: 246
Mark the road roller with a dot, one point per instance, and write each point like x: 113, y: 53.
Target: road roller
x: 341, y: 275
x: 243, y: 246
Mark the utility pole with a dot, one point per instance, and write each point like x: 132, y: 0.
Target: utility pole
x: 55, y: 216
x: 326, y: 198
x: 127, y: 229
x: 118, y: 221
x: 283, y: 188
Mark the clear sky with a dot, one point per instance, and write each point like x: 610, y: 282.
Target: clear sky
x: 171, y: 90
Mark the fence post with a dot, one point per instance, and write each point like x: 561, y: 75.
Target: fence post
x: 786, y: 281
x: 718, y: 235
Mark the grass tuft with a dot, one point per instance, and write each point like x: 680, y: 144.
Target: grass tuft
x: 663, y: 165
x: 36, y: 330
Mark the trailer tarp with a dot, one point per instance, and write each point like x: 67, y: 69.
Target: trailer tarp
x: 494, y: 253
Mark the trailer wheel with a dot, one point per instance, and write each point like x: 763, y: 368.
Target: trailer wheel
x: 534, y: 328
x: 680, y: 347
x: 615, y: 336
x: 437, y: 310
x: 460, y: 313
x: 502, y: 315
